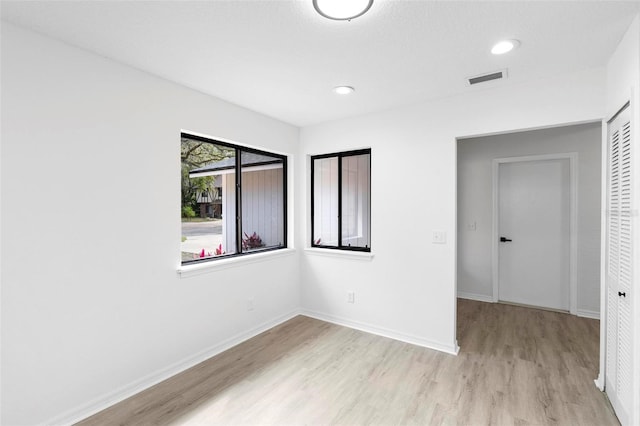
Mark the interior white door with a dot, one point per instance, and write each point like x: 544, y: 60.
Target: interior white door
x: 619, y: 278
x: 534, y: 226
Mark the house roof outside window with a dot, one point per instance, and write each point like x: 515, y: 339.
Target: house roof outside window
x: 250, y: 162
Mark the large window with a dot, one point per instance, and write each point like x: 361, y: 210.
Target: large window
x: 233, y: 199
x: 341, y: 200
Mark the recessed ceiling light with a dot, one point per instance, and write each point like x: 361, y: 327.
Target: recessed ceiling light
x: 504, y: 46
x: 342, y: 10
x: 343, y: 90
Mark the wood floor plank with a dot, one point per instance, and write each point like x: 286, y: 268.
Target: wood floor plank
x: 517, y: 366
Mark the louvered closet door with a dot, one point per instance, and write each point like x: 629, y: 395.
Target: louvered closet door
x: 619, y: 270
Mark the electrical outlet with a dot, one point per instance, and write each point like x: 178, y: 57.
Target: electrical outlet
x: 439, y: 237
x: 251, y: 305
x: 351, y: 297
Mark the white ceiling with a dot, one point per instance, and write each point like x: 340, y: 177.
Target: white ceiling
x: 282, y: 59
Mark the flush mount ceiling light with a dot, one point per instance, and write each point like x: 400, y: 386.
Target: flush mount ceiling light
x: 343, y: 90
x: 504, y: 46
x: 342, y: 10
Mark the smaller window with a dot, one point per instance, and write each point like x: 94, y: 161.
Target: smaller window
x: 341, y: 200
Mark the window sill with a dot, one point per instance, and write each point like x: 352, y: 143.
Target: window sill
x: 187, y: 271
x: 343, y: 254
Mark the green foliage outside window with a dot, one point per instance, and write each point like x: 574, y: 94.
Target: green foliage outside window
x: 196, y: 154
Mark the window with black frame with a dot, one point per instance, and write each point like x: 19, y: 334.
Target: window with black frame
x: 341, y: 200
x: 234, y: 200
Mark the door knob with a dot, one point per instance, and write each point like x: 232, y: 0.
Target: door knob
x: 505, y: 240
x: 622, y: 293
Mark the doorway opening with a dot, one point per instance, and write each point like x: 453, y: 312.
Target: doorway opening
x: 570, y: 154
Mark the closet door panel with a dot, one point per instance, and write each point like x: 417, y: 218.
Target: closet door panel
x: 619, y: 340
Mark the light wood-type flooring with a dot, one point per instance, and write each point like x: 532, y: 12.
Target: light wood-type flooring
x: 516, y: 366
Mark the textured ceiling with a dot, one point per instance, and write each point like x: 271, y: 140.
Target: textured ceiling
x: 282, y: 59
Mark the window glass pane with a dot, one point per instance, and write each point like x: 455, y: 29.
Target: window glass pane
x: 208, y: 200
x: 325, y: 202
x: 262, y: 201
x: 356, y: 203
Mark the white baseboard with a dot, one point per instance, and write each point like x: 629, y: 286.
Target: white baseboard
x: 473, y: 296
x: 384, y: 332
x: 588, y: 314
x: 98, y: 404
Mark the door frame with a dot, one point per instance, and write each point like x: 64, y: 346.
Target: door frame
x: 573, y: 220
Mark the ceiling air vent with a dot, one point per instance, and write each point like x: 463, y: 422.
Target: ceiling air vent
x: 497, y: 75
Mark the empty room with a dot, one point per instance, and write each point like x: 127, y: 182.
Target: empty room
x: 389, y: 212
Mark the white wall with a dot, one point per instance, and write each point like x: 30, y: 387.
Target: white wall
x: 92, y: 306
x: 623, y: 85
x: 408, y: 289
x: 475, y: 204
